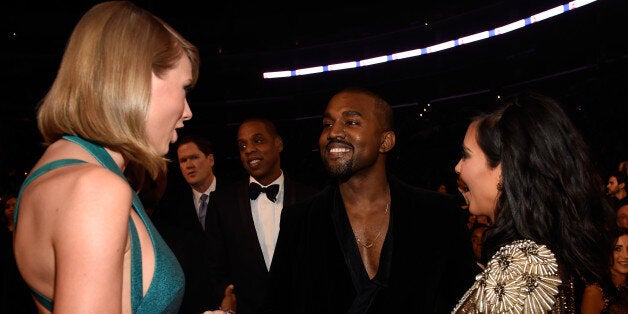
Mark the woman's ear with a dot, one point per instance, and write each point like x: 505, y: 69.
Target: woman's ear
x: 500, y: 182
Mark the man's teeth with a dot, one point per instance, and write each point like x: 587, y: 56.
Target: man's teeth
x: 338, y: 150
x: 254, y: 162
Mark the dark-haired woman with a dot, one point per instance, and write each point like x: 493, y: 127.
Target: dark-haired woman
x: 611, y: 295
x: 528, y: 169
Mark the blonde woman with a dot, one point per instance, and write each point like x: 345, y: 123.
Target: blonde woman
x: 83, y: 242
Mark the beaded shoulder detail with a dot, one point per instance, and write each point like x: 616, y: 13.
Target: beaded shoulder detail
x: 522, y: 277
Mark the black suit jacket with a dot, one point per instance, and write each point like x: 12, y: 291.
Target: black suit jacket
x: 177, y: 221
x: 425, y: 264
x: 234, y: 248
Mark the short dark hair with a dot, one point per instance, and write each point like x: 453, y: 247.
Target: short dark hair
x: 381, y: 105
x: 622, y: 202
x: 270, y: 126
x: 203, y: 144
x: 620, y: 176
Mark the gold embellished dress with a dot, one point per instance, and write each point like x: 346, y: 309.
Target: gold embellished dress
x: 522, y: 277
x: 617, y: 303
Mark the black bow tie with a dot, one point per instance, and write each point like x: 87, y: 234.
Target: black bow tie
x: 271, y: 191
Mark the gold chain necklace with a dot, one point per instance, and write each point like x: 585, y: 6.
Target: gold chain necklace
x: 368, y: 245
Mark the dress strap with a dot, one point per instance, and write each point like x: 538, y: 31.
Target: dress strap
x: 136, y: 267
x: 99, y: 152
x: 37, y: 173
x: 45, y: 302
x: 41, y: 299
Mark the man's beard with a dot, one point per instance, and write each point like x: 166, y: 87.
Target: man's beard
x: 340, y: 171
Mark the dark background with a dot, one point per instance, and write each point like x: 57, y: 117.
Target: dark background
x: 578, y: 57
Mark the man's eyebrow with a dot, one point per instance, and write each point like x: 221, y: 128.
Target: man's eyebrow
x: 351, y: 114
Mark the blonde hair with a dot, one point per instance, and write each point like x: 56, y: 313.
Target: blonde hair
x: 102, y: 89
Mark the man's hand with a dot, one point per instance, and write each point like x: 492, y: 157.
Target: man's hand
x: 228, y: 303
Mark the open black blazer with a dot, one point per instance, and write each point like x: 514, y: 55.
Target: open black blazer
x: 234, y: 248
x: 424, y: 268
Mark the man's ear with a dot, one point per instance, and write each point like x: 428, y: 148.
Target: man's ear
x: 279, y: 144
x: 387, y: 141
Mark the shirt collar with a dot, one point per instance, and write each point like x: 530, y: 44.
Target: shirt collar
x: 211, y: 188
x: 277, y: 181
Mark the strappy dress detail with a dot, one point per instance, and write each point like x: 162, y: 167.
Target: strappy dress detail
x: 165, y: 292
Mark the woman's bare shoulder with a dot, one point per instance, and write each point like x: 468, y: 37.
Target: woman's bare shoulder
x: 592, y: 299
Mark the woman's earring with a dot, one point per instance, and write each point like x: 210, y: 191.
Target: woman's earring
x: 500, y: 186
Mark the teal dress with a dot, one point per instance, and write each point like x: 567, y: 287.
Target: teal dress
x: 167, y: 285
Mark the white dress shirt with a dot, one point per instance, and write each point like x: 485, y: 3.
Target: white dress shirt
x: 266, y: 217
x: 197, y: 196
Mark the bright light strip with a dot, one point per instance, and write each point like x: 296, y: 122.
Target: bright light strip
x: 474, y: 37
x: 342, y: 66
x: 372, y: 61
x: 406, y: 54
x: 579, y: 3
x: 442, y: 46
x: 547, y: 14
x: 277, y: 74
x: 510, y: 27
x: 435, y: 48
x: 311, y: 70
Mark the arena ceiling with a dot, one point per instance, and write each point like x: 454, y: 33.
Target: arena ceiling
x: 578, y: 57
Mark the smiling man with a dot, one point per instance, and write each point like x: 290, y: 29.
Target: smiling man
x: 368, y: 243
x: 245, y: 217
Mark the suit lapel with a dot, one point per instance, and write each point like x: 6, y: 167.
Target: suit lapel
x: 246, y: 215
x: 289, y: 195
x: 210, y: 205
x: 191, y: 217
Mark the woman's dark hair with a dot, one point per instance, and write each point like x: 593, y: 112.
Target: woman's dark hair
x: 551, y: 192
x: 4, y: 198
